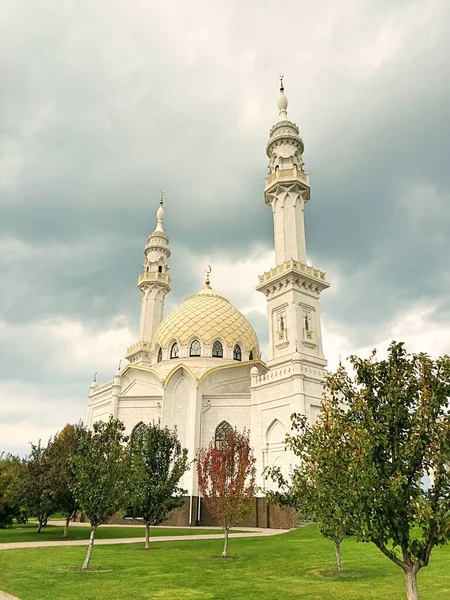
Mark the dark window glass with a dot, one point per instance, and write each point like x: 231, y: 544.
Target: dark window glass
x: 250, y: 356
x: 159, y: 359
x: 222, y: 430
x: 195, y: 349
x: 175, y: 351
x: 217, y: 350
x: 237, y: 354
x: 160, y: 269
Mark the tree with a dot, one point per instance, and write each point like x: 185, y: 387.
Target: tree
x: 157, y: 463
x: 317, y: 487
x: 11, y: 468
x: 99, y: 475
x: 393, y: 423
x: 61, y: 451
x: 37, y: 489
x: 226, y: 479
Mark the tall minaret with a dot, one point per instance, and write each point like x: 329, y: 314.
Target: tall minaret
x: 292, y: 288
x: 154, y: 284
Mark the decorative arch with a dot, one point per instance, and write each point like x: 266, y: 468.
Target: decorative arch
x: 275, y: 451
x: 222, y: 430
x: 180, y: 409
x: 237, y: 352
x: 217, y: 349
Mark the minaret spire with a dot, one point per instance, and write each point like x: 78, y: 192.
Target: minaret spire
x: 282, y: 101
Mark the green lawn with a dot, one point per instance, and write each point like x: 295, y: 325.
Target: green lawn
x: 298, y: 565
x: 28, y: 532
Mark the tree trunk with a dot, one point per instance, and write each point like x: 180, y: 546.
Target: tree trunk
x: 87, y: 560
x: 225, y: 544
x: 66, y: 526
x: 412, y: 591
x: 337, y: 549
x: 39, y: 525
x: 147, y: 536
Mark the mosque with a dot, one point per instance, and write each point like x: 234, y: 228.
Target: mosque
x: 200, y: 370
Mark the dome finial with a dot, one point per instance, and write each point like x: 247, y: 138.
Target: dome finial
x: 160, y: 213
x: 282, y: 101
x: 208, y: 272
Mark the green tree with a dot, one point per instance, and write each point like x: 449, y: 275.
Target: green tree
x: 157, y: 463
x: 37, y: 486
x: 317, y: 487
x: 61, y: 452
x: 11, y: 468
x: 226, y: 479
x: 99, y: 475
x: 393, y: 423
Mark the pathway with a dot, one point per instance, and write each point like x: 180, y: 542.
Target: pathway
x: 249, y: 532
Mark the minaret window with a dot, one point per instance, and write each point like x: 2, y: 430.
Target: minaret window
x: 281, y: 323
x: 237, y: 354
x: 222, y: 430
x: 175, y: 351
x: 195, y: 349
x: 217, y: 350
x: 160, y: 269
x: 306, y: 323
x: 159, y: 357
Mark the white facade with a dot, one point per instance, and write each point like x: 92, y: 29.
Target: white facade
x: 201, y: 365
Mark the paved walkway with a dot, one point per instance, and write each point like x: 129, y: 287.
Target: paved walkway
x: 249, y: 532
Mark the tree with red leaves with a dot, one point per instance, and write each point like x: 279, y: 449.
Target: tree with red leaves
x: 226, y: 479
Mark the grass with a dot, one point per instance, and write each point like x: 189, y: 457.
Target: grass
x: 28, y: 532
x: 298, y: 565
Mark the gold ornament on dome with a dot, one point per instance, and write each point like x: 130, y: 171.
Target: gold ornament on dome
x: 207, y: 316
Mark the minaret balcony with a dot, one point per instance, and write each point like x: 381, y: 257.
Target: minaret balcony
x: 293, y: 270
x: 150, y: 276
x: 287, y: 174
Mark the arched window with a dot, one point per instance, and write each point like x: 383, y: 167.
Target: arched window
x: 159, y: 357
x: 160, y: 269
x: 217, y: 349
x: 237, y: 354
x: 139, y: 431
x: 175, y: 351
x: 250, y: 356
x: 222, y: 430
x: 195, y: 349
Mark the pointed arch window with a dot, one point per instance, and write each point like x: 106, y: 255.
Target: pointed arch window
x: 237, y: 353
x: 222, y: 430
x: 195, y: 349
x: 251, y: 355
x: 217, y: 349
x: 175, y: 351
x: 139, y: 431
x: 159, y: 356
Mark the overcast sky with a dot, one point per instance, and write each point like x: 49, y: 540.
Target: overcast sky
x: 104, y: 103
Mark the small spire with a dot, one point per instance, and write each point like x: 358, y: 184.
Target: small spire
x: 95, y: 377
x: 282, y: 101
x: 120, y: 364
x: 160, y: 213
x: 208, y: 272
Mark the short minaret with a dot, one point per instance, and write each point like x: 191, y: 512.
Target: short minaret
x: 154, y: 284
x: 292, y: 288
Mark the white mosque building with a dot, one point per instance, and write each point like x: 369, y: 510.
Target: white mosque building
x: 200, y: 370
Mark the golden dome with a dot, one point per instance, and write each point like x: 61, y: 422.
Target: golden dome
x: 207, y: 316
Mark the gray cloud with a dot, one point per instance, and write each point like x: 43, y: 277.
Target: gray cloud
x: 103, y: 104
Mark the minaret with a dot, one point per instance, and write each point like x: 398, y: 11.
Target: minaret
x: 154, y: 284
x: 292, y: 288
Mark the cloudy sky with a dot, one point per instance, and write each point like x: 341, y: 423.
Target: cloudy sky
x: 104, y: 103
